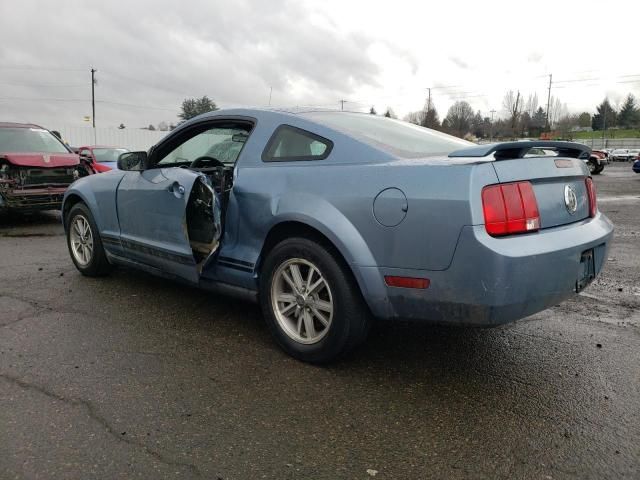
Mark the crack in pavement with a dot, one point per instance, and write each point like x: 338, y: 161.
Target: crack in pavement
x: 103, y: 422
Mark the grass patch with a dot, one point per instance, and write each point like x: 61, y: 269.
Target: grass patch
x: 617, y: 134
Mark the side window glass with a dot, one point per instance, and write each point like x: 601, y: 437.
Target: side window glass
x: 219, y: 143
x: 289, y: 144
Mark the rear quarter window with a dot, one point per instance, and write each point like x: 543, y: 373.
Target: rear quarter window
x: 292, y: 144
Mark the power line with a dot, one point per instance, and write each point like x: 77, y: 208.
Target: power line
x: 49, y: 85
x: 32, y: 67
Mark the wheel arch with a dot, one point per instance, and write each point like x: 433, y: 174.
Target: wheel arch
x: 307, y: 228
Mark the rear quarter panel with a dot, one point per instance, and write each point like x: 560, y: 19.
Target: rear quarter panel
x: 336, y: 196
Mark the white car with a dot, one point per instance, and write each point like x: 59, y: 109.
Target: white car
x: 620, y: 154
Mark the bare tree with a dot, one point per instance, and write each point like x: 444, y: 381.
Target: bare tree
x: 513, y: 106
x: 532, y: 104
x: 459, y: 118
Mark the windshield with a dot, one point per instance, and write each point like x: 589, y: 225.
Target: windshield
x: 29, y: 140
x: 108, y: 154
x: 399, y: 138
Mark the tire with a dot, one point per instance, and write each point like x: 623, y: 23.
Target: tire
x: 348, y: 320
x: 593, y: 167
x: 95, y: 263
x: 599, y: 170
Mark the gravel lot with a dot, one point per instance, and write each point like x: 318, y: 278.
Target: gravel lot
x: 131, y: 376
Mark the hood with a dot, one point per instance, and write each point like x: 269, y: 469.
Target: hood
x: 42, y: 160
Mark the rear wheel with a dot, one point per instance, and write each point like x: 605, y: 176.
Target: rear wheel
x: 83, y: 241
x: 311, y: 302
x: 593, y: 167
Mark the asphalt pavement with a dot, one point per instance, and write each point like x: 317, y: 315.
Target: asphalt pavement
x: 132, y: 376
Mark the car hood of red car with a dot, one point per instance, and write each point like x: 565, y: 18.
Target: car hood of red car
x: 42, y: 160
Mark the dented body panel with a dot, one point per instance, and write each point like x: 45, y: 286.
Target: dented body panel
x: 35, y: 180
x: 383, y: 214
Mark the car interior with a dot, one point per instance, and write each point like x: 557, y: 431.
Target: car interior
x: 212, y: 151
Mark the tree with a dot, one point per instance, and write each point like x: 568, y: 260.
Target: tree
x: 605, y: 118
x: 513, y: 106
x: 584, y: 119
x: 477, y: 125
x: 372, y: 111
x: 629, y: 115
x: 458, y: 119
x: 192, y: 107
x: 430, y: 116
x: 532, y: 104
x: 389, y: 113
x: 121, y: 127
x: 151, y: 127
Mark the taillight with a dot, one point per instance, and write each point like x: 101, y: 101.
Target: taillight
x: 510, y: 208
x: 591, y: 192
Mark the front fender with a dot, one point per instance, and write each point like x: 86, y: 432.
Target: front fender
x: 98, y: 192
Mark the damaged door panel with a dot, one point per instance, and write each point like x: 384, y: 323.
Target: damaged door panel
x: 170, y: 219
x: 204, y: 223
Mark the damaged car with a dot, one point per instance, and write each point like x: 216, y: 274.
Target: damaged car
x: 36, y: 168
x: 331, y: 219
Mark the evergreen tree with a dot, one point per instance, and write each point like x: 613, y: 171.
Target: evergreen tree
x: 629, y: 115
x: 605, y: 118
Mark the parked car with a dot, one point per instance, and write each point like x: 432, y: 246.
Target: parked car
x: 102, y: 158
x: 621, y: 154
x: 330, y: 218
x: 597, y: 161
x: 634, y: 153
x: 36, y: 168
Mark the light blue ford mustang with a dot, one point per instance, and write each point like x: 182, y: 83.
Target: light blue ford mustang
x: 330, y: 219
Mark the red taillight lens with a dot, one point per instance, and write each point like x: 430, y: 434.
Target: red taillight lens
x: 510, y: 208
x: 591, y: 191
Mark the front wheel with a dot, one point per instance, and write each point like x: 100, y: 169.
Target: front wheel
x: 311, y: 302
x: 83, y: 241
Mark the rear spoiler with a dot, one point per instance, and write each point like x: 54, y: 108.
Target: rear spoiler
x: 509, y: 150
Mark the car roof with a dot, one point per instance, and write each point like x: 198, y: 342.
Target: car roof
x: 19, y: 125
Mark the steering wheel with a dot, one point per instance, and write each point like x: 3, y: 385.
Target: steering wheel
x: 214, y: 162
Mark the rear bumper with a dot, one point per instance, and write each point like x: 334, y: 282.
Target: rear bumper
x: 492, y: 281
x: 32, y: 199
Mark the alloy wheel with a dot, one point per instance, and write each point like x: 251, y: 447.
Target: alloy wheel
x: 302, y: 301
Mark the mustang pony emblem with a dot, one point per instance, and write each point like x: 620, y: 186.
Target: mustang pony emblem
x: 46, y: 158
x: 570, y: 199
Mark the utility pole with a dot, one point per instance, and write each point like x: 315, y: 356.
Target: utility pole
x: 604, y: 124
x: 549, y: 102
x: 93, y: 103
x: 270, y: 92
x: 429, y: 101
x: 491, y: 125
x: 342, y: 102
x: 93, y: 96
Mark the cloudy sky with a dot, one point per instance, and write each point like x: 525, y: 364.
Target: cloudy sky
x: 150, y: 55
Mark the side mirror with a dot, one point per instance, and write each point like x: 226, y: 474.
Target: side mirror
x: 132, y: 161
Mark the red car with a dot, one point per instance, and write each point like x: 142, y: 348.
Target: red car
x: 36, y: 168
x: 102, y: 158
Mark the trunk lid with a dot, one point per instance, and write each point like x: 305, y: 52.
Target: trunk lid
x: 42, y: 160
x: 558, y: 183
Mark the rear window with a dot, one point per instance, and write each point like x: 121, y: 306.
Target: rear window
x: 397, y: 137
x: 290, y: 144
x: 24, y: 140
